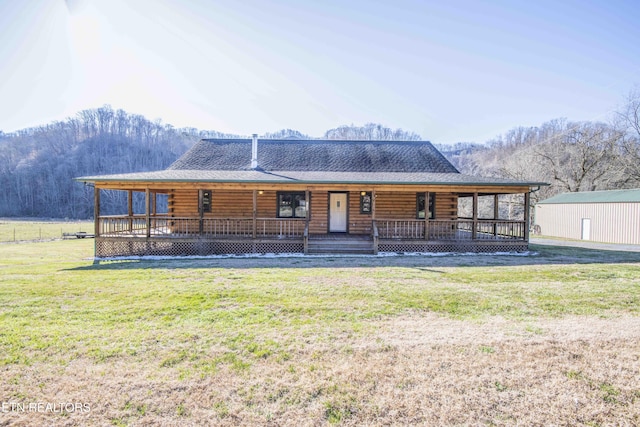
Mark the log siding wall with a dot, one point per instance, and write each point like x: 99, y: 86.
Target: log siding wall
x: 239, y: 204
x: 398, y: 205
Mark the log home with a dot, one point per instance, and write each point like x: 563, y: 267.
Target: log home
x: 236, y: 196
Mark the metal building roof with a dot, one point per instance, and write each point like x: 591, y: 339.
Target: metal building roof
x: 610, y: 196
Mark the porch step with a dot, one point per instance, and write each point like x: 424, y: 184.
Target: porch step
x: 348, y: 246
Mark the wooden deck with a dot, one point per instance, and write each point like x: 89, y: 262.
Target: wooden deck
x: 164, y: 235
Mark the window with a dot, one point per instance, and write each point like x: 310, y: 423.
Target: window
x: 205, y: 201
x: 420, y: 206
x: 292, y: 205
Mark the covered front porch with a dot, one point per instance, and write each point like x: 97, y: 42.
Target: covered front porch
x: 439, y: 223
x: 163, y: 235
x: 166, y: 234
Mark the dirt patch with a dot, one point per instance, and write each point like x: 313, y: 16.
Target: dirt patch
x: 414, y: 369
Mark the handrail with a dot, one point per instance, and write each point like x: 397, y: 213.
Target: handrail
x: 298, y: 228
x: 170, y: 226
x: 454, y: 229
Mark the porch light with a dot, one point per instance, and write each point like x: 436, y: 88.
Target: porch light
x: 260, y: 192
x: 363, y: 193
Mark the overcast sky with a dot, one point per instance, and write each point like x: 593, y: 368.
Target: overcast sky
x: 448, y: 70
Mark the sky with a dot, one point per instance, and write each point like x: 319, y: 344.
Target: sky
x: 450, y: 71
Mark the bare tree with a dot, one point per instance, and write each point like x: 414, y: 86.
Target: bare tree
x: 627, y: 121
x: 286, y: 134
x: 370, y: 132
x: 584, y: 157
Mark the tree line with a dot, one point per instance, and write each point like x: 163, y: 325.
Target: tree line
x: 37, y: 164
x: 570, y: 156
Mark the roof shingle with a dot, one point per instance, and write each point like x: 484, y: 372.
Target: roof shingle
x: 312, y: 161
x: 316, y: 156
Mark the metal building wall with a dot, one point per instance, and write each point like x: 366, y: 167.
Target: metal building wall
x: 610, y: 222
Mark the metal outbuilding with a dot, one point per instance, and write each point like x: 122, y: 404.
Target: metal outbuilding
x: 601, y: 216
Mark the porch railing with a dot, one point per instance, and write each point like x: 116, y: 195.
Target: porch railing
x: 189, y: 227
x: 459, y: 229
x: 164, y: 226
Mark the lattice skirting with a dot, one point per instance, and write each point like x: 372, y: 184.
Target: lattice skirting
x: 113, y: 247
x: 456, y: 247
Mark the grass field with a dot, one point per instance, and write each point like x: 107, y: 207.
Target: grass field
x: 546, y: 339
x: 29, y: 230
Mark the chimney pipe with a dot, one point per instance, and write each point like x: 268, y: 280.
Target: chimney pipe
x: 254, y: 151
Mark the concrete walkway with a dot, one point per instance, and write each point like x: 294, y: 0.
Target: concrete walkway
x: 584, y: 244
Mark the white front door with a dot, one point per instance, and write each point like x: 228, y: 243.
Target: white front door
x: 337, y: 212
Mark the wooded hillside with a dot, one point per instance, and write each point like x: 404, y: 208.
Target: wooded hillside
x: 571, y: 156
x: 37, y: 165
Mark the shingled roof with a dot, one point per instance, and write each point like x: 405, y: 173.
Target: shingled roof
x: 311, y: 161
x: 315, y: 156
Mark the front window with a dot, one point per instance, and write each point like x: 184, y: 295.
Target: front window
x: 420, y: 206
x: 292, y: 205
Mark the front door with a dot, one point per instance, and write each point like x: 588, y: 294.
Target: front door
x: 337, y: 212
x: 586, y: 228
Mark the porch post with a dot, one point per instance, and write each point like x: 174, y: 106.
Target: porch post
x: 527, y: 215
x: 373, y: 221
x: 474, y: 231
x: 373, y: 204
x: 426, y: 215
x: 147, y: 202
x: 255, y: 213
x: 305, y: 233
x: 96, y: 211
x: 496, y: 215
x: 153, y: 203
x: 307, y: 201
x: 130, y: 209
x: 200, y: 212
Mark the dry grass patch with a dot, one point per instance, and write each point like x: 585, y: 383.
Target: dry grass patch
x: 320, y: 341
x: 416, y: 369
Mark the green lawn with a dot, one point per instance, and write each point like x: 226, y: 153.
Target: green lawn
x: 235, y: 321
x: 36, y: 230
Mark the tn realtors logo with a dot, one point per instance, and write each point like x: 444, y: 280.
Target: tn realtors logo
x: 45, y: 407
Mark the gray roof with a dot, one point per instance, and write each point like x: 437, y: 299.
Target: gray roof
x: 305, y: 177
x: 610, y: 196
x: 316, y: 156
x: 311, y: 161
